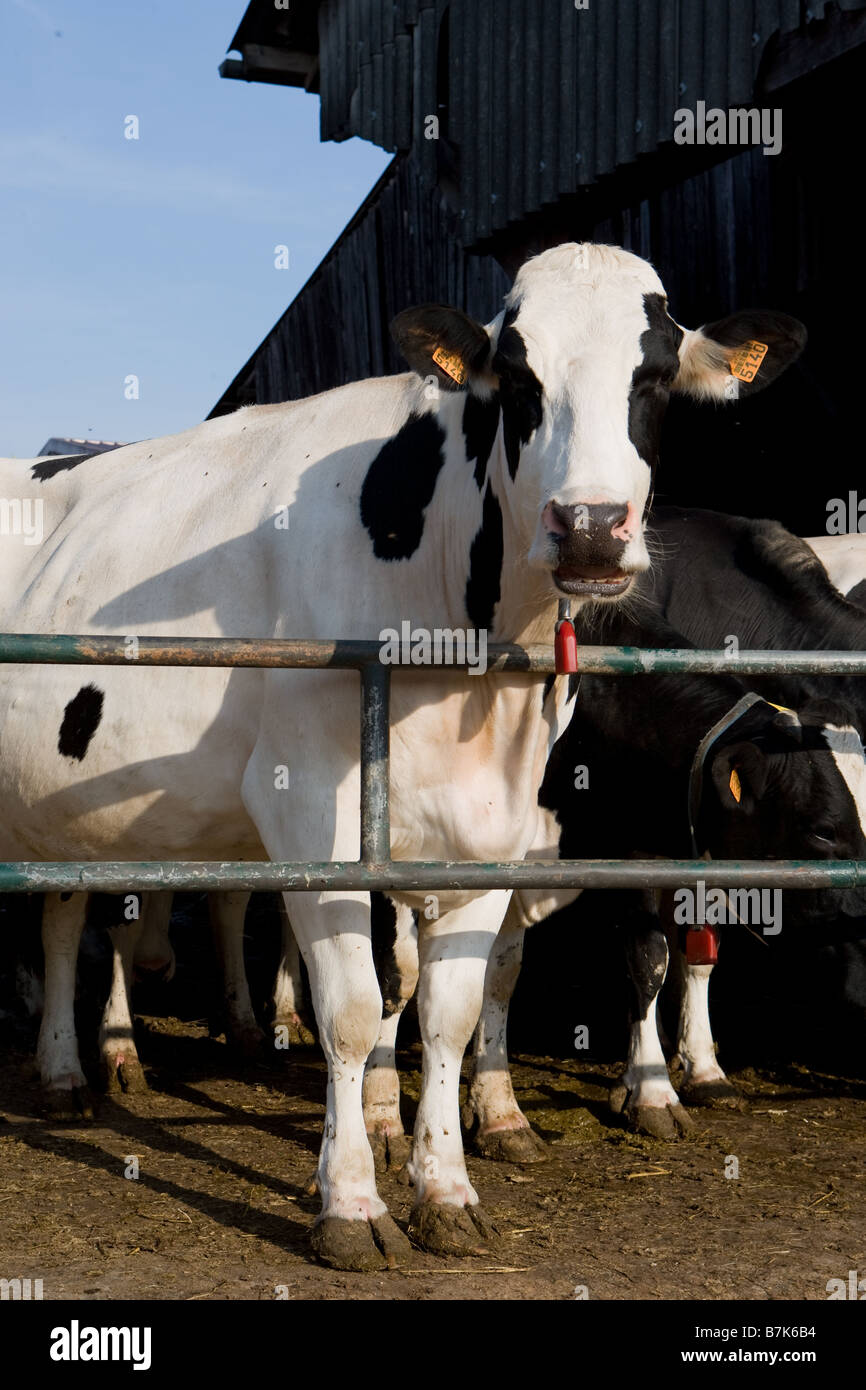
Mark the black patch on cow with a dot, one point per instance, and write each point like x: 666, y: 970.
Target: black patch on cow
x: 646, y: 951
x: 399, y: 486
x: 480, y: 423
x: 485, y: 564
x: 80, y: 722
x: 519, y: 388
x: 652, y: 379
x: 857, y: 595
x: 41, y: 472
x: 573, y: 687
x: 383, y: 937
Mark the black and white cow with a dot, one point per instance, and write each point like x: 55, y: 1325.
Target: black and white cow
x: 726, y: 577
x: 769, y: 781
x: 844, y: 559
x: 511, y: 466
x: 721, y: 577
x: 715, y: 577
x: 637, y: 740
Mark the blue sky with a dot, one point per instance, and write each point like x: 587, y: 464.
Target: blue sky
x: 152, y: 257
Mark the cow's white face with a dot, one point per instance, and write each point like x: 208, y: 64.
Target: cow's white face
x: 589, y: 325
x: 580, y: 366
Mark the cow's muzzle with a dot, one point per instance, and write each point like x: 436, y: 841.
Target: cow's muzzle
x: 590, y: 540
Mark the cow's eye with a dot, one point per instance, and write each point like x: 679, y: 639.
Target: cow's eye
x: 654, y: 386
x: 823, y: 836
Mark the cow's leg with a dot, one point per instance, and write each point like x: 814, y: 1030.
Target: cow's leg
x: 354, y: 1230
x: 395, y: 952
x: 154, y: 953
x: 501, y: 1130
x: 288, y: 1024
x: 227, y: 915
x: 704, y: 1082
x: 453, y: 955
x: 645, y: 1094
x: 65, y: 1087
x: 122, y: 1069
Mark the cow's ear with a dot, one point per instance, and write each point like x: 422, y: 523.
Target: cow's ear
x: 442, y: 342
x: 739, y: 774
x: 739, y: 355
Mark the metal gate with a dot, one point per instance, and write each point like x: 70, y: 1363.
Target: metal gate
x: 376, y: 869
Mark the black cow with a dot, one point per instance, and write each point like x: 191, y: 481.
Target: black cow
x: 720, y: 577
x: 619, y: 784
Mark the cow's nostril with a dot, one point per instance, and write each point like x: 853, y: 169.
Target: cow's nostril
x: 609, y: 517
x: 596, y: 518
x: 561, y: 520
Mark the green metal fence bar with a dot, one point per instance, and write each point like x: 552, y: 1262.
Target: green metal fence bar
x: 29, y: 877
x: 375, y: 766
x: 376, y: 870
x: 350, y: 655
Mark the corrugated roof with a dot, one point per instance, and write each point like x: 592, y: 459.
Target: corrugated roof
x: 542, y: 98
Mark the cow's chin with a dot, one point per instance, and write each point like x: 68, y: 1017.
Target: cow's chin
x: 592, y: 581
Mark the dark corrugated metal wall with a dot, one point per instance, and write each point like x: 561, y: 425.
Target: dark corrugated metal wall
x: 402, y: 249
x: 543, y: 98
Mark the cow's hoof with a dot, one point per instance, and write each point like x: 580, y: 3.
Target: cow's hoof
x: 124, y: 1076
x: 248, y: 1043
x: 717, y: 1094
x: 68, y: 1103
x: 391, y: 1152
x: 292, y: 1032
x: 511, y: 1146
x: 660, y: 1121
x: 617, y: 1098
x: 447, y: 1230
x: 360, y: 1246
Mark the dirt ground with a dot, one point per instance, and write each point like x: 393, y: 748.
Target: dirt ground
x: 220, y: 1209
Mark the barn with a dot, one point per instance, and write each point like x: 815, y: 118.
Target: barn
x: 520, y: 125
x: 715, y: 141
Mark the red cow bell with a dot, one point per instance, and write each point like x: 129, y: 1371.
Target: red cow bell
x: 702, y: 945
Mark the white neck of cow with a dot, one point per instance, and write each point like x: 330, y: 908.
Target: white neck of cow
x: 847, y: 752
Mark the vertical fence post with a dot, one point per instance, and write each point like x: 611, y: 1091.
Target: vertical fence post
x: 375, y: 770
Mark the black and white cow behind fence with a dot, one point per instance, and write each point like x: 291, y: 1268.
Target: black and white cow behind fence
x: 673, y: 711
x: 511, y: 466
x: 801, y: 784
x: 774, y: 783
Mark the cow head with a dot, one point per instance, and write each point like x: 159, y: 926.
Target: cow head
x: 579, y: 368
x: 791, y: 786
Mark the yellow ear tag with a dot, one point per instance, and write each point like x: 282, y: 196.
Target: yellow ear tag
x: 451, y: 364
x: 747, y: 359
x: 734, y: 784
x: 783, y: 709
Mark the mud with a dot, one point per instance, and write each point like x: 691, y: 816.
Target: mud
x: 221, y: 1207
